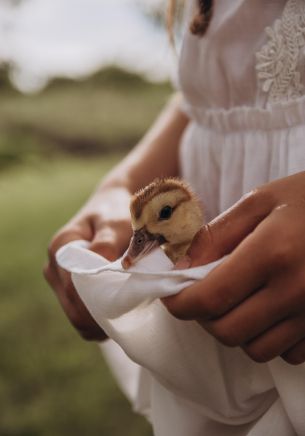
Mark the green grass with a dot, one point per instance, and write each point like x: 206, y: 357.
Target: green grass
x: 51, y: 382
x: 107, y: 112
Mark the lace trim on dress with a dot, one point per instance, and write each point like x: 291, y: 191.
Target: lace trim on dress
x: 278, y: 62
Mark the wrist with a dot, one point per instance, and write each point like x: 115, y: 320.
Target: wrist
x: 107, y: 204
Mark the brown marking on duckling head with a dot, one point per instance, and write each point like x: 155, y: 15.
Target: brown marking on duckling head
x: 166, y: 213
x: 158, y: 186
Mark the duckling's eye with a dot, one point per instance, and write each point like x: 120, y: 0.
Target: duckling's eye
x: 165, y: 213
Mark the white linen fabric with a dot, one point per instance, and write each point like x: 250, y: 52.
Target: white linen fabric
x: 243, y: 90
x: 183, y: 381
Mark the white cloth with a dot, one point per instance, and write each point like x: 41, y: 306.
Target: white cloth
x: 191, y: 382
x: 244, y: 92
x: 150, y: 278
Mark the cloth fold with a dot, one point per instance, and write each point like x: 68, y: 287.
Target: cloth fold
x: 176, y: 363
x: 123, y: 290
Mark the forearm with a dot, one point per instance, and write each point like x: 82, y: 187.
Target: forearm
x: 156, y: 155
x: 104, y: 220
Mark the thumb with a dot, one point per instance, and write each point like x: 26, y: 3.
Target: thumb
x: 69, y: 233
x: 110, y: 243
x: 220, y: 236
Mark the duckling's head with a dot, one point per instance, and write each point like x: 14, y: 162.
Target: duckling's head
x: 166, y: 212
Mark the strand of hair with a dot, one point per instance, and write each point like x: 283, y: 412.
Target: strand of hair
x: 202, y: 20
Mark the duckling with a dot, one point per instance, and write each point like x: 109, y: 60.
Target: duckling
x: 165, y: 213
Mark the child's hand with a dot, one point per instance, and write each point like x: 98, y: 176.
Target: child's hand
x: 256, y: 298
x: 104, y: 221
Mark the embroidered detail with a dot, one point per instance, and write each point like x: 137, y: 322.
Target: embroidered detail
x: 278, y: 61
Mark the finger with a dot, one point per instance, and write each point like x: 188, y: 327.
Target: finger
x: 79, y: 315
x: 61, y: 282
x: 64, y: 289
x: 255, y: 315
x: 225, y: 232
x: 242, y: 273
x: 183, y: 263
x: 53, y: 278
x: 296, y: 354
x: 65, y: 236
x: 111, y: 243
x: 61, y: 239
x: 80, y: 318
x: 58, y: 278
x: 74, y: 308
x: 238, y: 276
x: 50, y: 275
x: 277, y: 340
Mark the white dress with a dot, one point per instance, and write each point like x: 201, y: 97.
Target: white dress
x: 243, y: 89
x: 243, y: 85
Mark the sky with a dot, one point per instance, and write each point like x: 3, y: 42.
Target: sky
x: 42, y: 39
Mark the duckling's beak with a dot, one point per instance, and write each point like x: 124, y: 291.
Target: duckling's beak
x: 141, y: 243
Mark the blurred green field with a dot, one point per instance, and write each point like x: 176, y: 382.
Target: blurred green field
x: 51, y: 381
x: 109, y: 111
